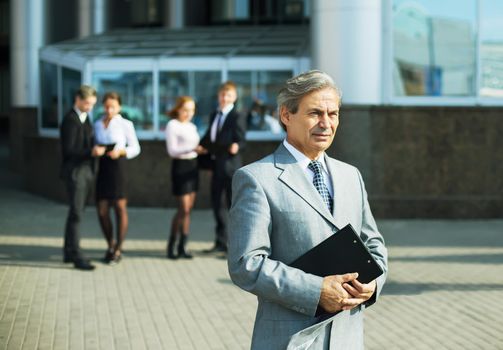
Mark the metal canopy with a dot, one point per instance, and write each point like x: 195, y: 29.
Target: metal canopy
x: 224, y: 42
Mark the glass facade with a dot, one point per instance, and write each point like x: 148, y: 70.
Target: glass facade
x: 441, y: 52
x: 201, y: 85
x: 491, y: 48
x: 49, y: 101
x: 171, y: 85
x: 206, y: 91
x: 259, y: 11
x: 71, y: 80
x: 257, y: 91
x: 434, y: 47
x: 136, y: 91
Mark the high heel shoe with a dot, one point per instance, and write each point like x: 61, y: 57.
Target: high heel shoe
x: 117, y: 257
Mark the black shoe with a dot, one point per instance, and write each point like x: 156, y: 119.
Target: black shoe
x: 109, y: 256
x: 217, y: 248
x: 82, y: 264
x: 67, y: 259
x: 116, y: 258
x: 171, y: 255
x: 185, y: 255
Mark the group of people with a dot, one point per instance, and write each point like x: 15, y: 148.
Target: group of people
x: 100, y: 151
x: 280, y: 206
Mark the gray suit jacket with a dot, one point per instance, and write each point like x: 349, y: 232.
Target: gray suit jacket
x: 276, y: 216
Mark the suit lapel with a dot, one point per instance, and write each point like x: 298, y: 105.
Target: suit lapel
x: 294, y: 177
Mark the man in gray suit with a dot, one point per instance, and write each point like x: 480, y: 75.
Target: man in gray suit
x: 287, y: 203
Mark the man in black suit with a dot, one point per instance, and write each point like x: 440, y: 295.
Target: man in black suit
x: 77, y: 170
x: 224, y: 140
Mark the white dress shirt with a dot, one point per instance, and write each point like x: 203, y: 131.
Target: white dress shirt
x: 304, y: 161
x: 225, y: 111
x: 82, y: 115
x: 181, y: 139
x: 119, y: 131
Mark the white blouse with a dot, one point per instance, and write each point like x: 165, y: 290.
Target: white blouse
x: 119, y: 131
x: 181, y: 139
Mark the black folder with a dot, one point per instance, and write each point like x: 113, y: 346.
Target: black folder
x: 343, y: 252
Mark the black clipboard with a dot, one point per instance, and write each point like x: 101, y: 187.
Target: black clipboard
x: 343, y: 252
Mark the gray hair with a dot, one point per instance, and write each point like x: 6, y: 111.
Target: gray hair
x: 301, y: 85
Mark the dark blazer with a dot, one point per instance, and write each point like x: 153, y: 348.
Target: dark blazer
x: 233, y: 130
x: 77, y: 141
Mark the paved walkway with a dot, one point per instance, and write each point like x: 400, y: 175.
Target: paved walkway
x: 445, y: 287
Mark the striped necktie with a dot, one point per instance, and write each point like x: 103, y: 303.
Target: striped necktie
x: 319, y: 183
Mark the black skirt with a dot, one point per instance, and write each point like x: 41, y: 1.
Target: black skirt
x: 184, y: 176
x: 111, y: 179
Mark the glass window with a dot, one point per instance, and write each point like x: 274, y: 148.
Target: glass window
x: 71, y: 82
x: 135, y: 90
x: 171, y: 85
x: 434, y: 47
x: 49, y: 94
x: 257, y: 91
x: 205, y: 89
x: 491, y: 48
x: 202, y: 86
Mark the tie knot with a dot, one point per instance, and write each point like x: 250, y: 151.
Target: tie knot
x: 315, y: 166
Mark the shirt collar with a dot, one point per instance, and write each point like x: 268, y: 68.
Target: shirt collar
x: 82, y: 115
x: 227, y: 109
x: 302, y: 159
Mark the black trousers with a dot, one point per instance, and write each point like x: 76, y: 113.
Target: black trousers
x: 221, y: 196
x: 78, y: 186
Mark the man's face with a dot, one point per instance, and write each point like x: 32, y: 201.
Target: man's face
x: 226, y: 97
x: 312, y: 129
x: 86, y: 104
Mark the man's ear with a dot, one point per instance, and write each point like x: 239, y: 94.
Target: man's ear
x: 284, y: 115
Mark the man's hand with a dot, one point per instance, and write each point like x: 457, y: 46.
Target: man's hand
x: 359, y: 292
x: 98, y: 151
x: 234, y: 148
x: 334, y: 297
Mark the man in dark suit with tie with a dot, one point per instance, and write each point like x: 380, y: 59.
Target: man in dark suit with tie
x: 224, y: 140
x: 77, y: 170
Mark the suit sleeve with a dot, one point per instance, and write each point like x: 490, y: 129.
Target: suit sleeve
x: 71, y: 149
x: 205, y: 140
x: 374, y: 242
x: 240, y: 132
x: 249, y: 263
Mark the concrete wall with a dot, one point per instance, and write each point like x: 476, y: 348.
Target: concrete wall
x: 444, y: 162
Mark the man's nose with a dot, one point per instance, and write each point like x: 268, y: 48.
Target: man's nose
x: 324, y: 121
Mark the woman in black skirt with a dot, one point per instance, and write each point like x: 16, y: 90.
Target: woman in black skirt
x: 182, y: 141
x: 118, y: 135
